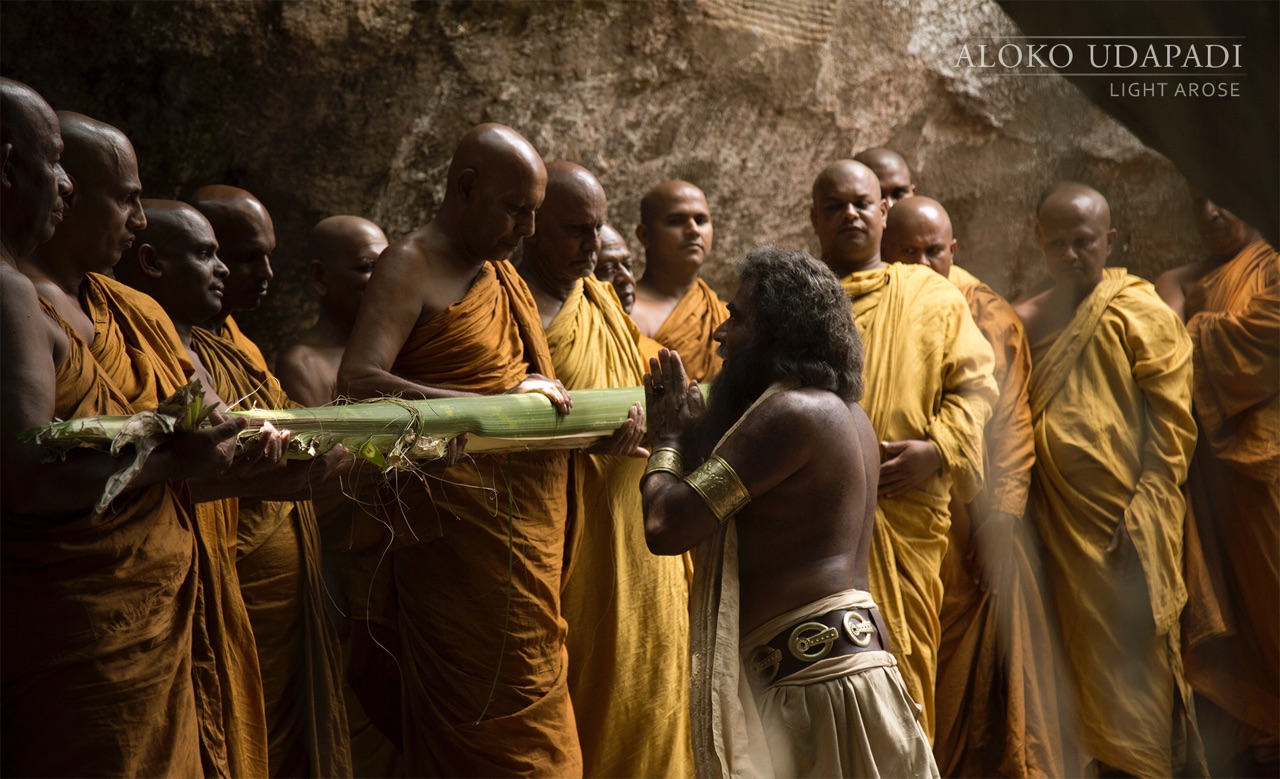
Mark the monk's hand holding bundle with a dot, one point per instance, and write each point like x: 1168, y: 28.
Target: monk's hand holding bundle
x: 552, y: 388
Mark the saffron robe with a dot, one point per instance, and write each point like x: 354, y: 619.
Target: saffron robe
x: 996, y: 697
x: 1233, y: 492
x: 627, y: 609
x: 477, y: 563
x: 928, y: 376
x: 231, y: 332
x: 96, y: 622
x: 688, y: 328
x: 1111, y: 405
x: 277, y: 548
x: 136, y: 345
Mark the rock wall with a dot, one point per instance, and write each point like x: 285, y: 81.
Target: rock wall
x: 337, y: 106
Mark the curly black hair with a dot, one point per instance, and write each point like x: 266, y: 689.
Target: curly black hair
x: 803, y: 321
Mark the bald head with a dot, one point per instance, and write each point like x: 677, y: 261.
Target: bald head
x: 105, y: 215
x: 496, y: 183
x: 848, y: 216
x: 567, y: 243
x: 892, y: 171
x: 613, y: 266
x: 246, y: 239
x: 1073, y: 228
x: 676, y: 231
x: 343, y: 251
x: 175, y: 261
x: 31, y: 204
x: 918, y: 231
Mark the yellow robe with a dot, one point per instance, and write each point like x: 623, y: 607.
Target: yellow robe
x: 627, y: 609
x: 477, y: 563
x: 927, y: 376
x: 996, y: 699
x: 231, y: 332
x: 1111, y: 405
x: 688, y: 328
x: 1234, y: 492
x: 96, y: 620
x: 277, y: 547
x: 137, y: 347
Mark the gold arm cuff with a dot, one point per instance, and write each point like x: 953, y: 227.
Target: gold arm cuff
x: 664, y: 459
x: 719, y: 485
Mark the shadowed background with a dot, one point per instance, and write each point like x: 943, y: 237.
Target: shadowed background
x: 336, y: 106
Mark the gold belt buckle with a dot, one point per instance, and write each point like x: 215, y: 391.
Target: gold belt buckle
x: 763, y: 664
x: 858, y: 628
x: 806, y: 637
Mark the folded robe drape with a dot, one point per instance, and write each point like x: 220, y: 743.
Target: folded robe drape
x: 277, y: 547
x: 95, y: 624
x: 627, y: 609
x: 688, y: 330
x: 477, y: 563
x: 136, y: 345
x: 1233, y: 492
x: 996, y: 697
x: 1111, y: 405
x: 927, y: 376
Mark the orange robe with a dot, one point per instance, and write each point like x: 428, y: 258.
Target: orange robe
x: 1234, y: 493
x: 137, y: 347
x: 96, y: 622
x: 277, y: 546
x: 928, y: 377
x: 688, y: 328
x: 1111, y: 405
x: 232, y: 332
x: 996, y: 699
x: 477, y: 563
x: 627, y: 609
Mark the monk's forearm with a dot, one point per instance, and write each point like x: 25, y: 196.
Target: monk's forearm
x: 372, y: 383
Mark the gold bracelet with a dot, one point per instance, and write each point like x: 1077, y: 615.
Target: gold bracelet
x: 667, y: 459
x: 719, y: 485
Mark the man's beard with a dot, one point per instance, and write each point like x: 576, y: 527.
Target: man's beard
x: 739, y: 383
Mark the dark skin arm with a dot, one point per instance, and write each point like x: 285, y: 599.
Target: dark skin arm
x: 33, y: 346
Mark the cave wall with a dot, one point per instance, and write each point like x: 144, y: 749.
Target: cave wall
x: 337, y: 106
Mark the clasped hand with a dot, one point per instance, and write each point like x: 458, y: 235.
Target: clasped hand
x: 673, y: 402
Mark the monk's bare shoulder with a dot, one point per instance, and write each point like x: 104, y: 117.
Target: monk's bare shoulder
x: 1029, y: 310
x: 25, y: 321
x: 422, y: 267
x: 308, y: 373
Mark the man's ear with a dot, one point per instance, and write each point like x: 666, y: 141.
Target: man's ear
x: 813, y: 217
x: 6, y: 171
x: 954, y: 244
x: 466, y: 185
x: 642, y: 233
x: 149, y: 261
x: 316, y: 277
x: 1111, y: 240
x: 884, y: 213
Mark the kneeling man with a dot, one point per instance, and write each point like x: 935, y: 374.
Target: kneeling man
x: 775, y: 482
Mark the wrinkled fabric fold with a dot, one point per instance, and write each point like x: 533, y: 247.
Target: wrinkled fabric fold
x: 688, y: 330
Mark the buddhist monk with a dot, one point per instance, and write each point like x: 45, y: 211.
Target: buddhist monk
x: 477, y: 561
x: 96, y: 620
x: 775, y: 484
x: 929, y: 392
x: 615, y: 267
x: 673, y: 306
x: 276, y: 544
x: 1110, y: 397
x: 246, y: 239
x: 343, y: 250
x: 996, y: 698
x: 131, y: 338
x: 892, y: 172
x: 1231, y: 301
x: 627, y: 610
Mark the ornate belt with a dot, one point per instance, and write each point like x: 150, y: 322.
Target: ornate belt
x: 834, y: 634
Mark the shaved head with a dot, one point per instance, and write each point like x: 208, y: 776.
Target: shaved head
x: 34, y: 181
x: 336, y: 239
x: 892, y: 172
x: 496, y: 184
x: 848, y: 216
x: 176, y: 262
x: 614, y: 266
x: 106, y: 212
x: 676, y: 231
x: 246, y: 237
x: 343, y: 251
x: 918, y: 231
x: 567, y: 244
x: 651, y: 205
x: 1073, y: 228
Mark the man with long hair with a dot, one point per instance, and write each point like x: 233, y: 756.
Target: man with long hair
x: 775, y: 481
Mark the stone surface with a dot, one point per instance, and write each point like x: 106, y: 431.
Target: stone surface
x: 329, y: 106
